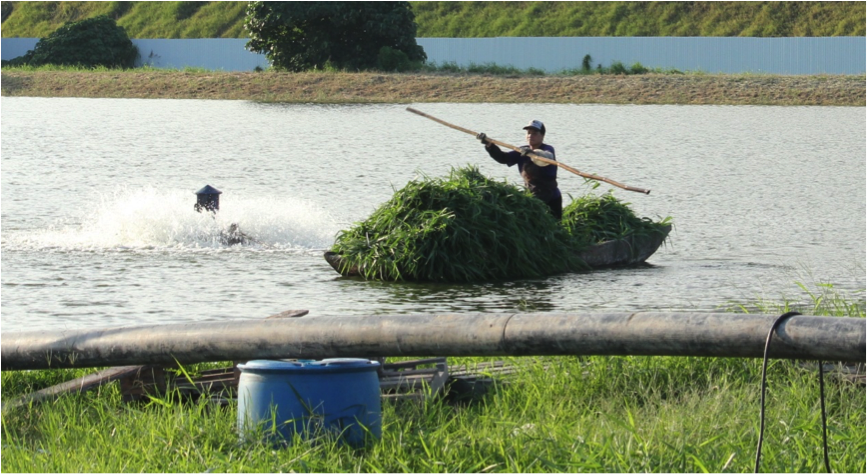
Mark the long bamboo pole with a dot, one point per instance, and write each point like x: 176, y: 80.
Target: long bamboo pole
x: 531, y: 154
x: 644, y: 333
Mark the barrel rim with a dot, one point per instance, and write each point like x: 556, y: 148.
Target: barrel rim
x: 328, y: 365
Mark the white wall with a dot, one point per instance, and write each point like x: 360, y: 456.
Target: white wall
x: 217, y: 53
x: 829, y: 55
x: 15, y: 47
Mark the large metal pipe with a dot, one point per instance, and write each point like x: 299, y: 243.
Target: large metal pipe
x: 644, y: 333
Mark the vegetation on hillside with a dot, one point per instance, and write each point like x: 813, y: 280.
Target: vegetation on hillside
x: 93, y: 42
x: 473, y: 19
x: 299, y: 36
x: 757, y: 19
x: 139, y: 19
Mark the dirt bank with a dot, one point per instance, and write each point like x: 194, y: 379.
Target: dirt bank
x: 407, y: 88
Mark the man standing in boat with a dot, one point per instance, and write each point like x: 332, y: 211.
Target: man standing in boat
x: 539, y: 177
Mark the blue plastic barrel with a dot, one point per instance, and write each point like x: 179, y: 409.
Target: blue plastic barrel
x: 338, y: 395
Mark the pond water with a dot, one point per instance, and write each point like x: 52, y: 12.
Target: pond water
x: 98, y: 227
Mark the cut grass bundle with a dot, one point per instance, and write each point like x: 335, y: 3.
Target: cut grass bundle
x: 469, y: 228
x: 593, y: 219
x: 463, y: 228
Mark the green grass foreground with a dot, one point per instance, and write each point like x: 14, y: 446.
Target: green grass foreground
x: 581, y: 414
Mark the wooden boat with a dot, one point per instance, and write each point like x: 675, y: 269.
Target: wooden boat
x: 622, y: 252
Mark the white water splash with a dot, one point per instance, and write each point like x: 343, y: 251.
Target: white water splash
x: 158, y: 219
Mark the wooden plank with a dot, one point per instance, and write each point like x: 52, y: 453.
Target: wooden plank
x: 412, y: 363
x: 219, y: 374
x: 497, y: 367
x: 79, y: 385
x: 215, y: 371
x: 408, y: 372
x: 441, y: 377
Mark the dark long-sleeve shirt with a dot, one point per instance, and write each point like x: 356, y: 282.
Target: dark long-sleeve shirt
x: 541, y: 181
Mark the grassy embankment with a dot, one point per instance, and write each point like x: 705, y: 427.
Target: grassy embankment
x: 598, y: 414
x: 370, y: 87
x: 444, y: 83
x: 474, y: 19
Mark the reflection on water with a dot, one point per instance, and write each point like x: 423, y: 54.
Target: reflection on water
x: 98, y: 226
x: 523, y: 295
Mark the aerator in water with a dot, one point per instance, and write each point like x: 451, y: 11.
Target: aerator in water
x: 208, y: 198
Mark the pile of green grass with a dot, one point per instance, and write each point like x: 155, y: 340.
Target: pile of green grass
x: 592, y: 219
x: 460, y: 229
x: 469, y: 228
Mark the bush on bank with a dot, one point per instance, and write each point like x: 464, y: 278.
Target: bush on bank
x: 89, y: 43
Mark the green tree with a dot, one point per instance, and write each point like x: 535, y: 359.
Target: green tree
x: 96, y: 41
x: 298, y: 36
